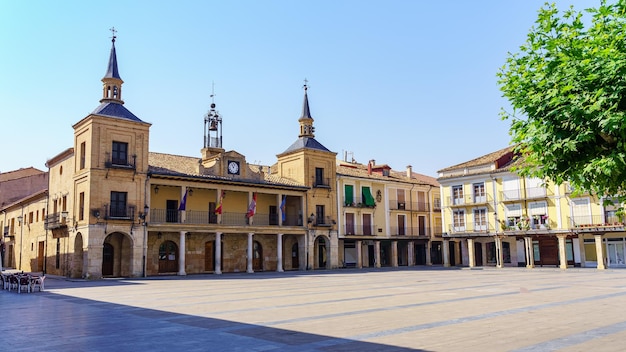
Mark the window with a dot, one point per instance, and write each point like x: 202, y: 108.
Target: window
x: 538, y: 214
x: 368, y: 199
x: 458, y: 220
x: 81, y: 206
x: 319, y: 210
x: 350, y: 224
x: 401, y: 225
x: 401, y: 199
x: 118, y: 204
x: 480, y: 219
x: 513, y: 215
x: 119, y: 155
x: 31, y: 217
x: 457, y: 195
x: 367, y: 224
x: 319, y: 177
x: 349, y: 195
x: 421, y: 223
x: 82, y: 155
x: 479, y: 193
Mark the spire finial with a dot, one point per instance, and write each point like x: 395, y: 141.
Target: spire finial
x: 305, y: 84
x: 113, y: 31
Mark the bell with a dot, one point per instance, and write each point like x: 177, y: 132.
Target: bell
x: 213, y: 126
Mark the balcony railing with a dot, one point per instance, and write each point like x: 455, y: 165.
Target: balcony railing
x: 413, y: 206
x: 322, y: 182
x: 590, y: 222
x: 356, y: 202
x: 528, y: 193
x: 120, y: 163
x: 470, y: 229
x: 194, y: 217
x: 120, y: 213
x: 359, y: 230
x: 470, y: 200
x: 409, y: 231
x: 54, y: 221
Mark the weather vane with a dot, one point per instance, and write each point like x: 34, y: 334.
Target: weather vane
x: 305, y: 84
x: 113, y: 31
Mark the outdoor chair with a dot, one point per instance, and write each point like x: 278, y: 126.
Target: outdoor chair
x: 37, y: 281
x: 23, y: 282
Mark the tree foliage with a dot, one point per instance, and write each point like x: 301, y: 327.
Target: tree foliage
x: 567, y: 87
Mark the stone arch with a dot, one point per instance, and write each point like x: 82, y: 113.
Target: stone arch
x: 117, y: 255
x: 321, y: 253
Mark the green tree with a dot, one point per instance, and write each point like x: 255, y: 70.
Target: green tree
x: 567, y: 88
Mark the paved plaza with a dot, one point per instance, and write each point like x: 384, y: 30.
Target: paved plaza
x: 408, y: 309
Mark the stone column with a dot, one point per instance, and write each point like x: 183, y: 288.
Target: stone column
x: 428, y: 250
x: 470, y: 252
x: 446, y: 253
x: 530, y: 252
x: 394, y: 254
x: 599, y: 252
x: 377, y: 254
x: 359, y: 254
x: 411, y: 253
x: 279, y: 199
x: 250, y: 255
x: 181, y: 254
x: 562, y: 255
x: 279, y: 250
x: 499, y: 254
x: 218, y: 253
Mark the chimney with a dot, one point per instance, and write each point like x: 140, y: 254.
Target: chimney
x: 369, y: 167
x: 409, y: 171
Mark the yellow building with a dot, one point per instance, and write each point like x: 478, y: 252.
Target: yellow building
x: 492, y: 216
x: 113, y: 208
x: 386, y: 217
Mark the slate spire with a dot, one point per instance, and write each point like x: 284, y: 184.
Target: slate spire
x: 112, y: 83
x: 306, y: 121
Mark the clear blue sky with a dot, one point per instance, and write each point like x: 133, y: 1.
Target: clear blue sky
x: 401, y: 82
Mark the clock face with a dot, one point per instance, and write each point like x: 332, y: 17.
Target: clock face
x: 233, y: 167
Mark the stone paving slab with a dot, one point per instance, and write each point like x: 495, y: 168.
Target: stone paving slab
x: 404, y: 309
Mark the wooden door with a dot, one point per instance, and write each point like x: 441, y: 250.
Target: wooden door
x: 478, y: 253
x: 40, y: 256
x: 209, y: 256
x: 295, y: 258
x: 107, y: 259
x: 168, y: 257
x: 257, y: 256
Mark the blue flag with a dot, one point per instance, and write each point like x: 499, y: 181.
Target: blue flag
x: 282, y: 208
x: 183, y: 203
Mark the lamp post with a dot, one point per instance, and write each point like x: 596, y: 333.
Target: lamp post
x: 19, y: 220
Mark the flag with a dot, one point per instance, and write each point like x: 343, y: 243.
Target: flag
x: 219, y: 208
x: 282, y: 208
x: 252, y: 207
x: 183, y: 203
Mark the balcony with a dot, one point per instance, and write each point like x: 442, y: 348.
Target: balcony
x: 410, y: 231
x: 55, y: 221
x: 593, y: 223
x: 194, y: 217
x: 359, y: 230
x: 120, y: 163
x: 528, y: 193
x: 470, y: 230
x: 119, y: 213
x: 411, y: 206
x: 321, y: 182
x: 470, y: 200
x: 357, y: 202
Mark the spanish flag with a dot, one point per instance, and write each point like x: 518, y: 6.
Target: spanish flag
x: 252, y: 207
x: 219, y: 208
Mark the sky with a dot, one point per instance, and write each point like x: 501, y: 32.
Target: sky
x: 401, y: 82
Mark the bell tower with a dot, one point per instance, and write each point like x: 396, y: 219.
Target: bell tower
x: 111, y: 82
